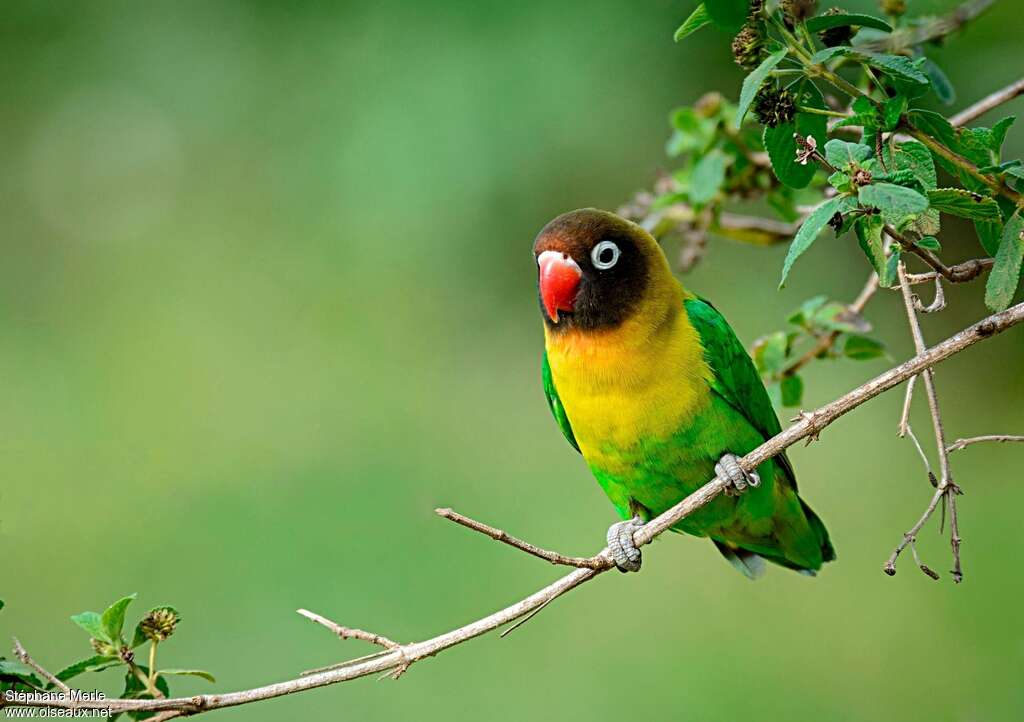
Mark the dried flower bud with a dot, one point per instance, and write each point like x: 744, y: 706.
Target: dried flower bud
x: 102, y: 648
x: 773, y: 107
x: 836, y: 222
x: 894, y: 8
x: 861, y: 177
x: 799, y: 10
x: 708, y: 104
x: 159, y: 624
x: 126, y: 654
x: 841, y: 35
x: 747, y: 46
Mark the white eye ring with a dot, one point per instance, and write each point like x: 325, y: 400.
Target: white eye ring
x: 599, y: 256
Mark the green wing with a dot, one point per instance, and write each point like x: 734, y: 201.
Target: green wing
x: 735, y: 378
x: 555, y: 404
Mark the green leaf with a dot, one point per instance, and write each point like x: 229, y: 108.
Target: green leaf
x: 934, y: 125
x: 1005, y: 274
x: 728, y: 14
x: 892, y: 110
x: 781, y: 143
x: 707, y: 177
x: 887, y: 279
x: 959, y: 202
x: 843, y: 154
x: 941, y: 84
x: 698, y: 19
x: 824, y: 22
x: 869, y: 237
x: 770, y: 353
x: 92, y: 623
x: 915, y: 157
x: 836, y: 316
x: 113, y: 618
x: 930, y: 243
x: 998, y: 133
x: 895, y: 202
x: 810, y: 229
x: 897, y: 67
x: 803, y: 315
x: 792, y: 388
x: 92, y: 664
x: 862, y: 348
x: 12, y: 667
x: 752, y: 83
x: 190, y: 672
x: 989, y: 233
x: 1, y: 603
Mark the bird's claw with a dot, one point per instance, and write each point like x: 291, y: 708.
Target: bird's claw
x: 620, y: 543
x: 728, y: 469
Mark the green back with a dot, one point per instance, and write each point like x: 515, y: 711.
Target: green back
x: 735, y: 378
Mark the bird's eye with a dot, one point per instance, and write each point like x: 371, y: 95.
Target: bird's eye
x: 605, y: 255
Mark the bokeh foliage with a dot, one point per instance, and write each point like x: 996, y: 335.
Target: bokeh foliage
x: 266, y: 299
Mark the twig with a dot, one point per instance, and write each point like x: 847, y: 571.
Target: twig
x: 937, y: 28
x: 945, y: 487
x: 938, y: 303
x: 987, y: 103
x: 350, y: 632
x: 810, y: 424
x: 960, y: 273
x: 499, y: 535
x: 999, y: 438
x: 164, y: 716
x: 21, y: 654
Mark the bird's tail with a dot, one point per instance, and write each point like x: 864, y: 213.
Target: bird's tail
x: 828, y: 552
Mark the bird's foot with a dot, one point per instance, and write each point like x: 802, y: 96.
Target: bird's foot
x: 728, y: 469
x: 620, y: 542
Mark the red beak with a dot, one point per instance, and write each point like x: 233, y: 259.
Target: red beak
x: 559, y: 279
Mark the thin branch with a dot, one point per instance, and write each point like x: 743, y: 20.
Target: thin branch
x: 503, y: 537
x: 934, y: 29
x: 987, y: 103
x: 945, y: 488
x: 810, y: 424
x: 960, y: 273
x: 350, y: 632
x: 23, y: 656
x: 999, y: 438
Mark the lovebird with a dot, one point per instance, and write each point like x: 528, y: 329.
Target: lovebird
x: 650, y: 384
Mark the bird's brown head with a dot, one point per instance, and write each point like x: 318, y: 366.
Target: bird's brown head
x: 594, y: 269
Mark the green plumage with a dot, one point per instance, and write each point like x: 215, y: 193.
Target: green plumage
x: 769, y: 521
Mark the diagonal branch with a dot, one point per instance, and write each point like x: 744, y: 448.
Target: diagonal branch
x: 810, y: 424
x: 987, y: 103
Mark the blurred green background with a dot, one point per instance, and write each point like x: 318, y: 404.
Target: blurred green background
x: 267, y: 299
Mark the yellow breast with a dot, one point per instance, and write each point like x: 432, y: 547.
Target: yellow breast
x: 642, y: 380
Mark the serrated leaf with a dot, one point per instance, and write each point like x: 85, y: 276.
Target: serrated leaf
x: 862, y: 348
x: 896, y: 67
x: 698, y: 19
x: 941, y: 84
x: 753, y: 82
x: 930, y: 243
x: 92, y: 664
x: 113, y: 617
x: 792, y: 390
x: 934, y: 125
x: 811, y: 228
x: 887, y: 279
x: 869, y: 237
x: 892, y: 110
x: 191, y: 673
x: 728, y: 14
x: 998, y: 133
x: 895, y: 202
x: 1005, y: 274
x: 963, y: 203
x: 707, y: 177
x: 92, y: 623
x: 843, y: 154
x: 989, y: 233
x: 824, y: 22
